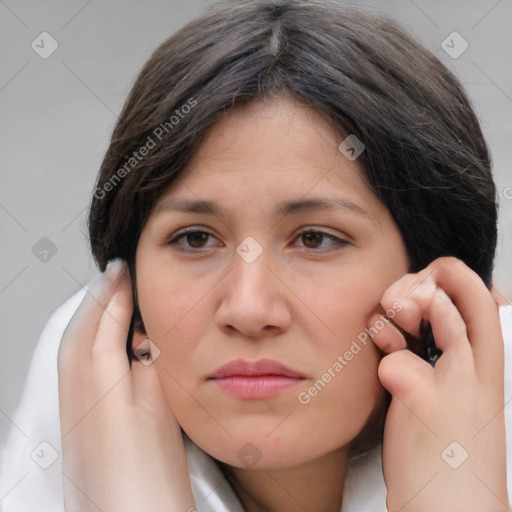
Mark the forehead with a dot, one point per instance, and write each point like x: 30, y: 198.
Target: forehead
x: 271, y: 150
x: 276, y: 133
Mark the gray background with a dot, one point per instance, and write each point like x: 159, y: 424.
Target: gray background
x: 57, y: 115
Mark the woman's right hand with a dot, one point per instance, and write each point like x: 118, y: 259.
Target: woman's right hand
x: 122, y: 445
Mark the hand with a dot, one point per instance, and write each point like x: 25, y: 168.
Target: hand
x: 122, y: 446
x: 444, y: 437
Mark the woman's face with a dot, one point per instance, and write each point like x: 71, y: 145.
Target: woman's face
x: 247, y: 285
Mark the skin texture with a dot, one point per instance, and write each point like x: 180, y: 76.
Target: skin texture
x: 121, y: 444
x: 444, y: 442
x: 303, y: 301
x: 301, y: 306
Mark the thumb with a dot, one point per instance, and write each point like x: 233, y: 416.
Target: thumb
x: 404, y: 374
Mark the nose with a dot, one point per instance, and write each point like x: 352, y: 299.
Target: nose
x: 255, y: 303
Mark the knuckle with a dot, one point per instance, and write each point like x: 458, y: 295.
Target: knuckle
x: 397, y: 289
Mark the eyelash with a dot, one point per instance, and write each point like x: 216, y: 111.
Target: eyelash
x: 174, y: 241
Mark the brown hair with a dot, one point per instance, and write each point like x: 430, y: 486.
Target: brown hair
x: 425, y: 155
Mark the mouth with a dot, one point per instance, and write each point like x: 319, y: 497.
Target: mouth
x: 255, y: 380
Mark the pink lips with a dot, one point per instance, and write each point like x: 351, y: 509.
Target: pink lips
x: 255, y: 380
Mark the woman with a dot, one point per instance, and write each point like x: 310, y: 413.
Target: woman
x: 298, y: 208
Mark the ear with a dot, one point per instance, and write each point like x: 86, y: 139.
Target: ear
x: 144, y: 350
x: 136, y: 335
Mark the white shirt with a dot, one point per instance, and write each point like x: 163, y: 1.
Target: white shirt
x: 34, y: 442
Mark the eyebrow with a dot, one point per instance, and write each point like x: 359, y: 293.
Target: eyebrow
x: 283, y: 208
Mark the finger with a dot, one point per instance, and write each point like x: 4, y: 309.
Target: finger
x: 448, y: 326
x: 385, y: 335
x: 499, y: 298
x: 469, y: 295
x: 408, y: 301
x: 450, y: 333
x: 80, y: 333
x: 94, y: 362
x: 115, y: 321
x: 404, y: 374
x: 478, y: 311
x: 408, y: 313
x: 428, y: 303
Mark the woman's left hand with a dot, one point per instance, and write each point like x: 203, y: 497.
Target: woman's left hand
x: 444, y: 439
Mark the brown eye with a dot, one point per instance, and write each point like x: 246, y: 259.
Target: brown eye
x: 315, y: 239
x: 312, y: 239
x: 191, y: 239
x: 197, y: 238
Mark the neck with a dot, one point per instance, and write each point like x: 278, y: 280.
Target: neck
x: 314, y: 486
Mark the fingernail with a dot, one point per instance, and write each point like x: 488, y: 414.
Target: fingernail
x: 115, y: 268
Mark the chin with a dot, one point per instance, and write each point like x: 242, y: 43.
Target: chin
x: 253, y: 448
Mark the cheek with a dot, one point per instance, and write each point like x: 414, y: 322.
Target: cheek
x: 343, y: 300
x: 168, y: 302
x: 336, y: 403
x: 330, y: 316
x: 346, y: 389
x: 330, y: 309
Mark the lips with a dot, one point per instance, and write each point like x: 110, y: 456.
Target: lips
x: 254, y: 368
x: 260, y: 379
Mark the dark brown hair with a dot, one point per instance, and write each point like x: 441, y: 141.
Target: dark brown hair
x: 425, y: 155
